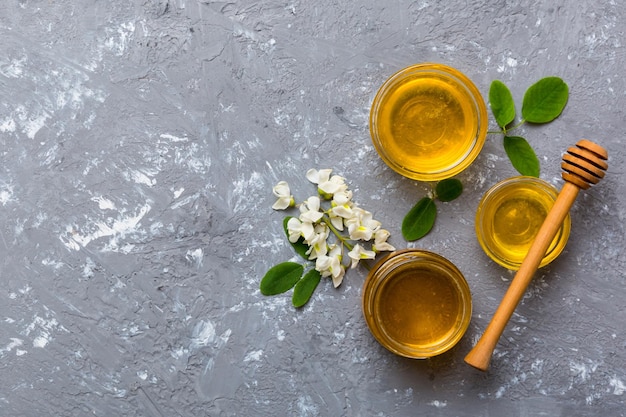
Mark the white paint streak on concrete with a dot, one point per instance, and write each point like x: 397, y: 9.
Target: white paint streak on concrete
x: 241, y: 190
x: 306, y: 406
x: 438, y: 404
x: 41, y: 341
x: 89, y: 268
x: 118, y: 39
x: 104, y: 203
x: 72, y: 93
x: 173, y: 138
x: 6, y: 193
x: 56, y: 264
x: 31, y: 123
x: 179, y: 192
x: 141, y: 177
x: 13, y: 344
x: 224, y: 337
x: 187, y: 200
x: 7, y: 125
x: 43, y: 329
x: 178, y: 352
x: 583, y: 371
x: 253, y: 356
x: 196, y: 257
x: 203, y: 334
x: 14, y: 68
x: 116, y: 228
x: 194, y: 157
x: 619, y: 387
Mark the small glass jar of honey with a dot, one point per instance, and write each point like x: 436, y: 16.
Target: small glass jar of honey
x: 509, y: 216
x: 428, y: 122
x: 416, y: 303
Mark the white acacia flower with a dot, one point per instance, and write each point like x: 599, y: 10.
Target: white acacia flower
x: 358, y: 252
x: 342, y: 197
x: 342, y: 204
x: 327, y: 185
x: 330, y: 265
x: 327, y: 220
x: 318, y: 245
x: 285, y: 199
x: 361, y: 226
x: 340, y: 209
x: 310, y: 210
x: 380, y: 241
x: 334, y: 185
x: 336, y: 221
x: 344, y: 211
x: 316, y: 176
x: 297, y: 229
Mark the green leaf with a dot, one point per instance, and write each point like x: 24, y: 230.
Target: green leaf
x: 281, y: 278
x: 300, y: 247
x: 544, y: 100
x: 522, y: 156
x: 305, y: 287
x: 420, y: 219
x: 501, y: 103
x: 448, y: 189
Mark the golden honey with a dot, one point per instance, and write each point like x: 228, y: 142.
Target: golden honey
x: 428, y: 122
x: 509, y: 216
x: 416, y: 303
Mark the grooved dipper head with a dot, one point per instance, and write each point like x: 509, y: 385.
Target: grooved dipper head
x: 584, y: 164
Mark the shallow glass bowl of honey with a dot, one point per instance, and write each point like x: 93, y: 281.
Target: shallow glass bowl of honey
x: 509, y: 216
x: 428, y: 122
x: 416, y: 303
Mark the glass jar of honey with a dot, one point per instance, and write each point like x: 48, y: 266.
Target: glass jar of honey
x: 416, y: 303
x: 509, y: 216
x: 428, y: 122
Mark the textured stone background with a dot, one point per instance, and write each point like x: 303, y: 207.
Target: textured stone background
x: 140, y: 141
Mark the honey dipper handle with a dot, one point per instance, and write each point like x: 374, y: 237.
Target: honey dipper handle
x: 480, y: 355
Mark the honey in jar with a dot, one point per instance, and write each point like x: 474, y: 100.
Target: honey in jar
x: 416, y: 303
x: 509, y: 216
x: 428, y: 122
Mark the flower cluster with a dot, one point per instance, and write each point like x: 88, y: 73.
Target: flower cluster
x: 343, y: 219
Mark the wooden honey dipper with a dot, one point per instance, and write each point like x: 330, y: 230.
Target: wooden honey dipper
x: 583, y: 165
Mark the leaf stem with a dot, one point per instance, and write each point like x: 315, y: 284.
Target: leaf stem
x: 517, y: 125
x: 344, y: 241
x: 504, y: 131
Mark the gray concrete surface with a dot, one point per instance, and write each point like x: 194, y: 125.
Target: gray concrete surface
x: 140, y: 141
